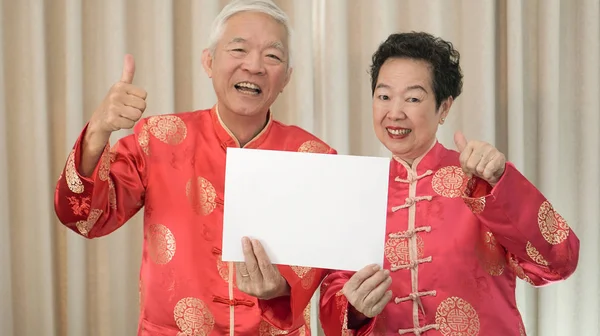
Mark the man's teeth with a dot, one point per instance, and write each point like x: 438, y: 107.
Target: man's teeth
x: 248, y: 85
x: 398, y: 131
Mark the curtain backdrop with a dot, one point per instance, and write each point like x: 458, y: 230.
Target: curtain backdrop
x: 531, y: 87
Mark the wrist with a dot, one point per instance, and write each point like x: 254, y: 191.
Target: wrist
x: 285, y: 289
x: 95, y: 139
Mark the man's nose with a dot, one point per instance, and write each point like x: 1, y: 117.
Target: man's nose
x: 254, y: 64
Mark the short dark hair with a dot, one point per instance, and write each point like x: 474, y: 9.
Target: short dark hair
x: 443, y: 59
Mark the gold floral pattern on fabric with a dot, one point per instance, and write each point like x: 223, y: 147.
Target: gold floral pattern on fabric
x: 104, y: 168
x: 161, y: 244
x: 84, y: 226
x: 307, y: 314
x: 73, y: 181
x: 223, y: 269
x: 306, y: 274
x: 266, y: 329
x: 491, y: 254
x: 112, y: 194
x: 449, y: 181
x: 341, y: 303
x: 476, y: 205
x: 312, y: 146
x: 396, y: 250
x: 144, y: 139
x: 513, y: 264
x: 168, y: 129
x: 201, y: 195
x: 535, y: 255
x: 193, y: 317
x: 552, y: 226
x: 456, y: 317
x: 112, y: 154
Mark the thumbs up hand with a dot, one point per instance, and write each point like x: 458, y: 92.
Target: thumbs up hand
x: 478, y: 158
x: 123, y: 105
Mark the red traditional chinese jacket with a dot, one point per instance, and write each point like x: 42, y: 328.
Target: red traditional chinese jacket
x: 455, y: 247
x: 174, y: 166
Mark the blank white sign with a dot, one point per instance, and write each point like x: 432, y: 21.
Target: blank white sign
x: 307, y: 209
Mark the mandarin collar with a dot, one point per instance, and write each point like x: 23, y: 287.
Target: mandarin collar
x: 226, y: 137
x: 428, y: 161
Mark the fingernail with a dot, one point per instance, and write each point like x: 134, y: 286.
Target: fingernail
x: 386, y: 272
x: 376, y: 268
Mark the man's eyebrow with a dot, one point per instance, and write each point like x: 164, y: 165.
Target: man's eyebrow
x: 382, y: 86
x: 277, y: 45
x: 237, y: 40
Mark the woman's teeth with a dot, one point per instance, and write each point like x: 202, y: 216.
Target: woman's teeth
x: 398, y: 131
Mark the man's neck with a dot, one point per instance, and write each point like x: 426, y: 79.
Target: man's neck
x: 244, y: 129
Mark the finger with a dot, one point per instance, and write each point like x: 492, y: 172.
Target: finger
x: 473, y: 161
x: 128, y: 69
x: 123, y: 123
x: 486, y: 157
x: 492, y: 167
x: 136, y: 91
x: 267, y: 269
x: 460, y: 141
x: 380, y: 305
x: 134, y: 101
x: 123, y: 88
x: 250, y: 260
x: 464, y: 158
x: 241, y: 271
x: 359, y: 277
x: 371, y: 283
x: 376, y: 294
x: 130, y: 113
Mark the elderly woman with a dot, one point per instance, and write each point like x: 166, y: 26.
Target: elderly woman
x: 461, y: 225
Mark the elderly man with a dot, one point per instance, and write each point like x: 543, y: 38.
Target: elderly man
x: 174, y: 165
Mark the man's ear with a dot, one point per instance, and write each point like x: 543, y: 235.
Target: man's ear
x: 207, y: 60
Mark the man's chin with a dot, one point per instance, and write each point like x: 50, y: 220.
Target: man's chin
x: 246, y: 111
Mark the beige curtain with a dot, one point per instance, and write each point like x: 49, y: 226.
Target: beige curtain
x: 532, y: 88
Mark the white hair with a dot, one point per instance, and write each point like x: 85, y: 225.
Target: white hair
x: 260, y: 6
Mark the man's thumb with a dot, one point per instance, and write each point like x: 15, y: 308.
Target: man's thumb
x: 460, y: 141
x: 128, y: 69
